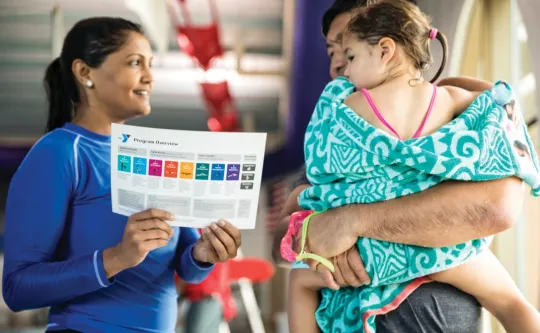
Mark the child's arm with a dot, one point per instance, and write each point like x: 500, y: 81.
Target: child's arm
x: 460, y: 98
x: 304, y: 286
x: 466, y: 83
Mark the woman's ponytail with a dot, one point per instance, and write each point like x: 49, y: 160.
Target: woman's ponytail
x: 60, y: 105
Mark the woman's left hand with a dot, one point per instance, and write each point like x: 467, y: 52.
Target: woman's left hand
x: 219, y: 242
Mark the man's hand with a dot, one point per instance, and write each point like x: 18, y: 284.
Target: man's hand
x: 349, y: 270
x: 327, y: 237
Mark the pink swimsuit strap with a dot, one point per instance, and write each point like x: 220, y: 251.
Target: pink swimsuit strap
x: 385, y: 123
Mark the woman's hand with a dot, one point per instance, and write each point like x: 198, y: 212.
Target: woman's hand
x: 145, y: 231
x: 219, y: 242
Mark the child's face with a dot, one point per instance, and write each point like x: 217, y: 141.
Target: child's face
x: 364, y: 67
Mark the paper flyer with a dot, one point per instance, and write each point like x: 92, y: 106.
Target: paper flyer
x: 200, y: 177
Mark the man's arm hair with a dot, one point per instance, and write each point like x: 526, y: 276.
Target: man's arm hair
x: 447, y: 214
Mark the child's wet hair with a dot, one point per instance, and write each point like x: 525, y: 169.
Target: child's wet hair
x: 405, y: 24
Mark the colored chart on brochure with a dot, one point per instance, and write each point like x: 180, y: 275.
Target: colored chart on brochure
x: 200, y: 177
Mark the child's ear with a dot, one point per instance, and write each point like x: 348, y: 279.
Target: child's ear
x: 387, y: 48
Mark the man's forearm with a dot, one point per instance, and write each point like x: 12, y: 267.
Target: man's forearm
x: 447, y: 214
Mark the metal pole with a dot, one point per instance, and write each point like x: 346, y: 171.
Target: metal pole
x: 250, y: 304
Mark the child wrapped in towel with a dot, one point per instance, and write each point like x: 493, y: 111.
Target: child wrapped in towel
x: 385, y: 133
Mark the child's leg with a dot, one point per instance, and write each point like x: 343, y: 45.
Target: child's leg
x: 304, y: 286
x: 486, y: 279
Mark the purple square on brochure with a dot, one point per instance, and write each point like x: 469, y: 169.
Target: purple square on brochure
x: 155, y: 168
x: 233, y: 172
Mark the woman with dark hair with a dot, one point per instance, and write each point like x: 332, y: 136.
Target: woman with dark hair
x: 64, y: 247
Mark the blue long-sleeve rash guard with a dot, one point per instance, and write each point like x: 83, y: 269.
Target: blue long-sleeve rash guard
x: 59, y: 219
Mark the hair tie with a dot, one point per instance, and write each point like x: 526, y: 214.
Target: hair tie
x: 433, y: 33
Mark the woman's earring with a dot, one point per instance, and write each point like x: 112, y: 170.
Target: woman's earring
x: 89, y: 84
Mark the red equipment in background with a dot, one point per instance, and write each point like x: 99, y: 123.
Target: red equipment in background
x: 202, y: 43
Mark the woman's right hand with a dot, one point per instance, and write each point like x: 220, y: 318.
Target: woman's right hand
x: 145, y: 231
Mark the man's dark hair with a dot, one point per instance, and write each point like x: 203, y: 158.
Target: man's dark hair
x: 340, y: 7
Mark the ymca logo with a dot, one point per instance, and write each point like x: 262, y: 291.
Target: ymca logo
x: 125, y: 137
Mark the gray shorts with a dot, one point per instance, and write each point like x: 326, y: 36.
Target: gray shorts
x: 434, y: 308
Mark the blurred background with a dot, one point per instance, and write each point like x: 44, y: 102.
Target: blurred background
x: 271, y: 70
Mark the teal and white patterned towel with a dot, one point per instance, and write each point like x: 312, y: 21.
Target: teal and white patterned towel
x: 349, y: 161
